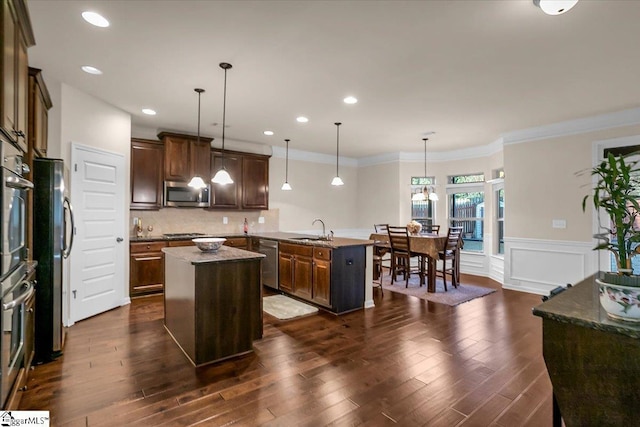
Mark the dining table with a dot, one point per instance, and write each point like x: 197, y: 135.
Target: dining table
x: 423, y: 244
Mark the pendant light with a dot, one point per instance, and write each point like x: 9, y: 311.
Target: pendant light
x: 286, y: 185
x: 555, y: 7
x: 337, y: 181
x: 426, y: 193
x: 197, y: 181
x: 222, y: 177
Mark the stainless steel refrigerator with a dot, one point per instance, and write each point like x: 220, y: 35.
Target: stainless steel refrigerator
x: 52, y: 229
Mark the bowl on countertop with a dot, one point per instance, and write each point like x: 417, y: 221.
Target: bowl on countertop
x: 209, y: 244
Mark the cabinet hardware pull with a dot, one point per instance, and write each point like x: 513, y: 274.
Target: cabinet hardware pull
x: 151, y: 258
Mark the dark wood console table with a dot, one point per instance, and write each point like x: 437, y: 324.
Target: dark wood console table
x: 593, y: 361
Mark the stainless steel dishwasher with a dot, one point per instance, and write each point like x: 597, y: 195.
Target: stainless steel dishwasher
x: 270, y: 263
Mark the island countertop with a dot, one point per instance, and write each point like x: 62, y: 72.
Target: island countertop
x: 195, y: 256
x: 580, y: 305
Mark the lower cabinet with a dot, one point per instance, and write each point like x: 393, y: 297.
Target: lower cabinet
x: 146, y: 268
x: 305, y: 271
x: 237, y: 242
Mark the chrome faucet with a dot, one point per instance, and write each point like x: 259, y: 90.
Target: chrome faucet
x: 323, y: 230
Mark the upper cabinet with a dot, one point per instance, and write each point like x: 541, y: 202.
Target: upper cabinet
x: 250, y: 188
x: 17, y: 36
x: 146, y: 174
x: 39, y: 105
x: 185, y: 156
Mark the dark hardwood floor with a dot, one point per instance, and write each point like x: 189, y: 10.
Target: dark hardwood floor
x: 405, y: 362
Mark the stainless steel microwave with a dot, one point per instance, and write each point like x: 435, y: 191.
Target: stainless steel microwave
x: 179, y: 194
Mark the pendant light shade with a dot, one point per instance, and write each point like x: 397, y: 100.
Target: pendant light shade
x: 555, y: 7
x: 222, y: 177
x: 197, y: 181
x: 337, y: 180
x: 286, y: 185
x: 427, y: 193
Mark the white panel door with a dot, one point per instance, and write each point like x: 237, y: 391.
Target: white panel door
x: 97, y: 259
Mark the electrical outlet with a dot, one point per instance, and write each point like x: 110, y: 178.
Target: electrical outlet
x: 225, y: 220
x: 261, y: 220
x: 559, y: 223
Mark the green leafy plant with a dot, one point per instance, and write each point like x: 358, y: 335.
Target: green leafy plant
x: 616, y: 192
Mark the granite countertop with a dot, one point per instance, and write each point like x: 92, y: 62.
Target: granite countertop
x: 302, y: 239
x: 580, y: 305
x: 195, y: 256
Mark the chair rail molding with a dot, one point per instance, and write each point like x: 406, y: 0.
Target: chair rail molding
x: 538, y: 266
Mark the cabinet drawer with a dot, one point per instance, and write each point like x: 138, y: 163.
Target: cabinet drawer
x: 236, y: 242
x: 147, y: 247
x: 322, y: 253
x: 174, y: 243
x: 294, y: 249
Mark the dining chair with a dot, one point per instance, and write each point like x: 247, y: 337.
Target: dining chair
x: 431, y: 228
x: 451, y: 253
x: 377, y: 272
x: 382, y: 248
x: 401, y: 255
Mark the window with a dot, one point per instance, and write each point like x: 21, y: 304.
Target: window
x: 422, y: 210
x: 500, y: 220
x: 466, y: 209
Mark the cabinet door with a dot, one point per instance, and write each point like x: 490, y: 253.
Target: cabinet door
x: 226, y: 196
x: 200, y: 159
x: 176, y: 159
x: 322, y: 282
x: 303, y: 277
x: 255, y: 183
x: 147, y: 273
x: 285, y: 271
x: 22, y: 91
x: 146, y: 174
x: 8, y: 68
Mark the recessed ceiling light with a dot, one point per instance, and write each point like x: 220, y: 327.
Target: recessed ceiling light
x: 350, y: 100
x: 96, y: 19
x: 91, y: 70
x: 149, y: 111
x: 268, y: 132
x: 302, y: 119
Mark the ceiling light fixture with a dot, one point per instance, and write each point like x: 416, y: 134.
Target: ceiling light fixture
x: 350, y: 100
x: 268, y: 132
x: 555, y: 7
x: 197, y: 181
x: 149, y: 111
x: 427, y: 193
x: 91, y: 70
x: 222, y: 177
x: 337, y: 181
x: 286, y: 185
x: 302, y: 119
x: 96, y: 19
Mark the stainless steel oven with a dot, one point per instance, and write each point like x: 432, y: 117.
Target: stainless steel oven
x: 16, y: 290
x: 14, y: 189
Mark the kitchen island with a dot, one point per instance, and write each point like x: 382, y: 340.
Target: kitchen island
x: 213, y: 301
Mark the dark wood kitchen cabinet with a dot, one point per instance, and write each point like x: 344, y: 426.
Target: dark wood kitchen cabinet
x: 250, y: 189
x: 329, y: 277
x: 39, y: 105
x: 17, y: 36
x: 185, y: 156
x: 146, y: 268
x: 147, y: 158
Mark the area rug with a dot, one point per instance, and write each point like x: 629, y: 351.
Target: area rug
x: 285, y: 308
x: 453, y: 296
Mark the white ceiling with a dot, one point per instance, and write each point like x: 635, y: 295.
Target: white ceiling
x: 467, y: 70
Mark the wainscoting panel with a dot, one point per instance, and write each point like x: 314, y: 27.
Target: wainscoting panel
x: 538, y: 266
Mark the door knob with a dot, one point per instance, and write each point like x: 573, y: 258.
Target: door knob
x: 119, y: 239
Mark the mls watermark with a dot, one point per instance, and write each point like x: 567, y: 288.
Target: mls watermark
x: 24, y: 418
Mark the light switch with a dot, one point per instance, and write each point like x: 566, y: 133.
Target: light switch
x: 260, y: 220
x: 559, y: 223
x: 225, y: 220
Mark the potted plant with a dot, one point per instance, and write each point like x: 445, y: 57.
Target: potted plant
x: 616, y: 192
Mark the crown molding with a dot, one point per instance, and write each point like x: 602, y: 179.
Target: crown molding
x: 572, y: 127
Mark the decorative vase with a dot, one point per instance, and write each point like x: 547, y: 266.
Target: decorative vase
x: 620, y: 302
